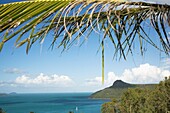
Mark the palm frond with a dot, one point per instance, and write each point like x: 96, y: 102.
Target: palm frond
x: 121, y: 22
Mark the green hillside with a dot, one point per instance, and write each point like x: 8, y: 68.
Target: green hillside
x: 118, y: 88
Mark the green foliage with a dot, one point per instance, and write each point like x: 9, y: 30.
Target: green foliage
x: 109, y: 107
x: 109, y: 93
x: 160, y: 98
x: 135, y: 101
x: 2, y: 111
x: 142, y: 100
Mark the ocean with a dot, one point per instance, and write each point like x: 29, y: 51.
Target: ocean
x: 51, y: 103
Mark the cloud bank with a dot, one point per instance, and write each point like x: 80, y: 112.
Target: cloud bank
x: 145, y: 73
x: 41, y: 80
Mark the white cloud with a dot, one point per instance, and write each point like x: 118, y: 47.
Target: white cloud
x: 14, y: 71
x: 145, y: 73
x: 40, y: 81
x: 45, y: 80
x: 97, y: 81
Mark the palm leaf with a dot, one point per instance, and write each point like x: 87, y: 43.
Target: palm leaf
x: 121, y: 22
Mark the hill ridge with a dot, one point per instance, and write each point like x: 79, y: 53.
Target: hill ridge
x: 121, y: 84
x: 117, y: 89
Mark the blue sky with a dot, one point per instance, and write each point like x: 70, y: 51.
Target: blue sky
x: 76, y: 70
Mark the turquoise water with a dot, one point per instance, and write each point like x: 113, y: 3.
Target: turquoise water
x: 50, y: 103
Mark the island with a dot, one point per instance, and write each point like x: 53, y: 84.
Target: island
x: 3, y: 94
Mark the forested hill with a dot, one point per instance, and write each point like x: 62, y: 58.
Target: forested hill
x: 118, y: 88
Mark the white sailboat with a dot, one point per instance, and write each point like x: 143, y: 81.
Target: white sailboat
x: 76, y: 108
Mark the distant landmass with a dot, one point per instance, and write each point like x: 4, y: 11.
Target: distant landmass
x: 3, y: 94
x: 118, y: 88
x: 12, y: 93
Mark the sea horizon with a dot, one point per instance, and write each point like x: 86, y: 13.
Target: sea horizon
x: 50, y: 103
x: 43, y: 92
